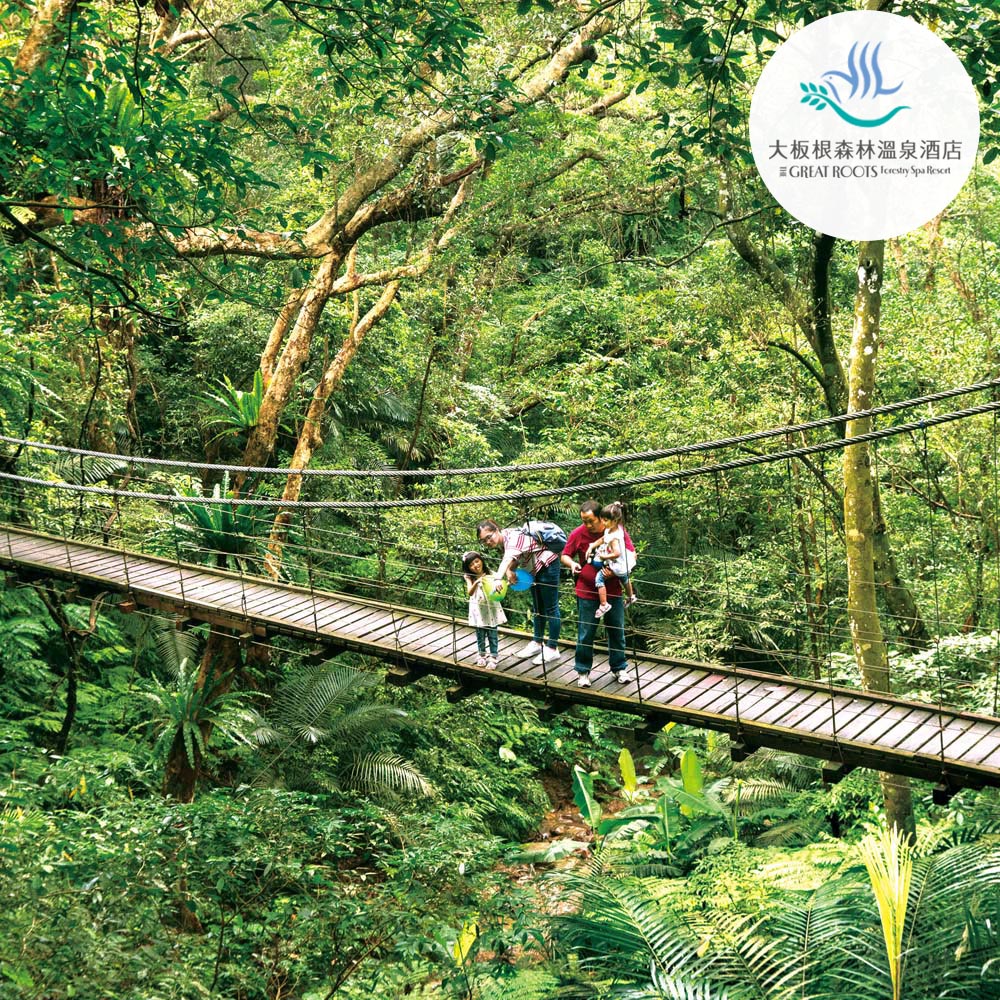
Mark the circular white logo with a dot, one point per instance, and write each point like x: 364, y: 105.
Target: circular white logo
x: 864, y: 125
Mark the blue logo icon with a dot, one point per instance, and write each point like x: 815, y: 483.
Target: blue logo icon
x: 864, y: 77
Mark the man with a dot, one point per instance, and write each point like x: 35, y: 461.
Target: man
x: 587, y: 601
x: 523, y: 550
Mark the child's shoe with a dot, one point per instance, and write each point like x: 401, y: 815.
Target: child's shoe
x: 491, y: 663
x: 480, y: 660
x: 602, y: 611
x: 629, y: 601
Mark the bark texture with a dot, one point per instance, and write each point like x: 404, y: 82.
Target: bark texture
x: 859, y: 513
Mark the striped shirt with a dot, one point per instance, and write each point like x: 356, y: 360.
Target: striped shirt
x: 520, y: 549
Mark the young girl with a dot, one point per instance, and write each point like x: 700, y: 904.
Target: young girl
x: 485, y: 614
x: 609, y: 555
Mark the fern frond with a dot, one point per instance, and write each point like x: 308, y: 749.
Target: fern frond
x: 377, y: 772
x: 307, y: 699
x: 362, y: 721
x: 174, y: 645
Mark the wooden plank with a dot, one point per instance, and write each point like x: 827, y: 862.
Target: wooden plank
x: 674, y: 679
x: 904, y: 728
x: 711, y: 695
x: 356, y: 623
x: 766, y: 698
x: 845, y: 714
x: 76, y: 563
x: 230, y: 598
x: 832, y: 713
x: 932, y: 733
x: 162, y: 578
x: 339, y: 614
x: 869, y: 726
x: 430, y: 643
x: 732, y: 702
x: 959, y: 724
x: 561, y: 674
x: 792, y: 718
x: 275, y: 606
x: 84, y: 560
x: 774, y: 714
x: 986, y: 747
x: 649, y: 677
x: 561, y: 671
x: 991, y: 760
x: 392, y: 629
x: 26, y: 549
x: 970, y: 733
x: 444, y: 644
x: 782, y: 701
x: 379, y: 628
x: 411, y: 637
x: 171, y: 578
x: 304, y: 615
x: 330, y: 608
x: 698, y: 688
x: 395, y: 624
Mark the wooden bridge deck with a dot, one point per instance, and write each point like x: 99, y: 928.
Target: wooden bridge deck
x: 847, y: 727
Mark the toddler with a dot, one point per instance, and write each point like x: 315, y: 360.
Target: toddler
x: 609, y: 555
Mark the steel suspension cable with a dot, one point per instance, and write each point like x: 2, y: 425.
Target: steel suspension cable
x: 523, y: 496
x: 593, y: 462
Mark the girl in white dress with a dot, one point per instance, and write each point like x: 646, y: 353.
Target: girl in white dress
x: 485, y: 614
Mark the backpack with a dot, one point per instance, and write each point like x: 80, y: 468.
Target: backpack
x: 546, y: 533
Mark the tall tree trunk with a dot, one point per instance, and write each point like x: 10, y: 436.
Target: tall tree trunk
x: 813, y: 578
x: 812, y: 316
x: 859, y: 513
x: 310, y: 437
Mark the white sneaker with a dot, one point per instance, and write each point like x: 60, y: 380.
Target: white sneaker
x: 583, y: 680
x: 547, y: 655
x: 480, y: 660
x: 491, y: 663
x: 532, y: 648
x: 623, y: 676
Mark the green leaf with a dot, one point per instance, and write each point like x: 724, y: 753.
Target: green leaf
x: 583, y: 796
x: 627, y: 767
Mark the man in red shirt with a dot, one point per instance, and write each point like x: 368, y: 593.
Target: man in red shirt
x: 587, y: 601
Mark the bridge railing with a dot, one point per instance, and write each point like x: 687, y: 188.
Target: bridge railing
x: 742, y: 560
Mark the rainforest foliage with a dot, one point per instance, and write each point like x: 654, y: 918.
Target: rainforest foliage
x: 449, y: 234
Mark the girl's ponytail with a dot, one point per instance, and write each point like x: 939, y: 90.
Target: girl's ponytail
x: 614, y: 511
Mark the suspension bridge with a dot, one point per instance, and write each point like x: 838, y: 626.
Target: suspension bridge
x: 105, y: 526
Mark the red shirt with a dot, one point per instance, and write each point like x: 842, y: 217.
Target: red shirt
x: 576, y: 548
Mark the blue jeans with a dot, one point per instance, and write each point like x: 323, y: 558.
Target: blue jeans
x: 484, y: 633
x: 601, y: 578
x: 545, y: 600
x: 586, y: 629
